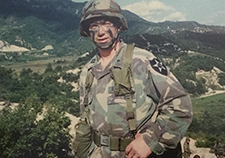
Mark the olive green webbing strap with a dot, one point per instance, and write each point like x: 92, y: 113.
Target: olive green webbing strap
x: 121, y: 143
x: 128, y: 55
x: 127, y: 63
x: 117, y: 143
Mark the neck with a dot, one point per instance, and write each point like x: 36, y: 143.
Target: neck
x: 106, y: 55
x: 109, y: 52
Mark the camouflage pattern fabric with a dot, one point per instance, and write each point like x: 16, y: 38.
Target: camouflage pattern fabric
x: 157, y: 94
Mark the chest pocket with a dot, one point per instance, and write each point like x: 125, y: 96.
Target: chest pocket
x: 123, y: 81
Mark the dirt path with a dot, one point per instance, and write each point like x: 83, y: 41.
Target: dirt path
x: 212, y: 93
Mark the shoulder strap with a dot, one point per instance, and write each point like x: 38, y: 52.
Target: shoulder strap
x: 122, y: 76
x: 128, y: 55
x: 124, y: 85
x: 128, y: 58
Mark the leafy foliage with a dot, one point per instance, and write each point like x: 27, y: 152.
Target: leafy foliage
x: 44, y: 86
x: 22, y: 135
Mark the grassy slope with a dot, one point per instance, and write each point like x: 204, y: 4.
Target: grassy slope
x: 214, y: 104
x: 208, y: 121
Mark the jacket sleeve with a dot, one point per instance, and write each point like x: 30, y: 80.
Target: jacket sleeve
x: 174, y: 109
x: 82, y: 88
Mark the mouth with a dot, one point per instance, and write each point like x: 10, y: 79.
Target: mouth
x: 103, y: 40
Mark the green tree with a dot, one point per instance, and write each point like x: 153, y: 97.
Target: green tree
x: 51, y: 135
x: 49, y: 68
x: 22, y: 135
x: 16, y: 128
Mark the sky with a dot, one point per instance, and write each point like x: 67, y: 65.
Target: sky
x: 209, y: 12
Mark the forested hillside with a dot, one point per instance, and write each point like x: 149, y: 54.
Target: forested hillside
x: 43, y: 29
x: 50, y: 95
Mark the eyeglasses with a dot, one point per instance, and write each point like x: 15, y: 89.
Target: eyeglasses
x: 102, y: 23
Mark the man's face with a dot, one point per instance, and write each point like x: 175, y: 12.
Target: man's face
x: 103, y: 32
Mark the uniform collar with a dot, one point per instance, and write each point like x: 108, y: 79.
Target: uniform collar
x: 116, y: 62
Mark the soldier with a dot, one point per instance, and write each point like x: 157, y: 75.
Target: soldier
x: 135, y: 105
x: 186, y: 146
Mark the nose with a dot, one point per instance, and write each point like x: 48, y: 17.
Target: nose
x: 100, y: 30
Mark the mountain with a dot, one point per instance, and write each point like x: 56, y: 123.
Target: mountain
x: 32, y: 26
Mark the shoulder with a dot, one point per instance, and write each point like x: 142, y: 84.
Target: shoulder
x: 87, y: 67
x: 152, y: 63
x: 91, y: 62
x: 138, y: 52
x: 142, y: 54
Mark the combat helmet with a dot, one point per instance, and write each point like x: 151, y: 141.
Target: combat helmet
x: 98, y: 9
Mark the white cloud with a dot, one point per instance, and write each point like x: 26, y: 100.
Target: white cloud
x: 175, y: 16
x: 155, y: 11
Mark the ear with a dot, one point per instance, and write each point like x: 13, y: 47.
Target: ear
x: 119, y: 29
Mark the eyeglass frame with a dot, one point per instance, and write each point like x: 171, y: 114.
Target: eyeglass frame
x: 105, y: 24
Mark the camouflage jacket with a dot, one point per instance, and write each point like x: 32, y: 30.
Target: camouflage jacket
x: 157, y: 94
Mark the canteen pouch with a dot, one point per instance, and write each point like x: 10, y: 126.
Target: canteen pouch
x: 82, y: 141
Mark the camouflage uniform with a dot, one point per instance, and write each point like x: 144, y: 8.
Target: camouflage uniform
x: 158, y: 95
